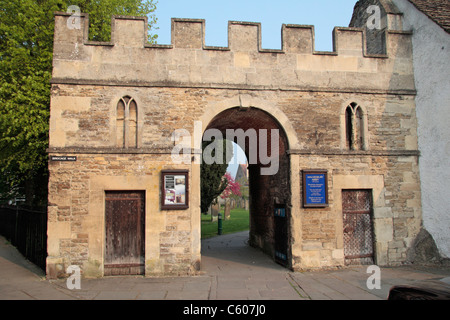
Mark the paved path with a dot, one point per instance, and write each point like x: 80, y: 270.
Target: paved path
x: 231, y: 270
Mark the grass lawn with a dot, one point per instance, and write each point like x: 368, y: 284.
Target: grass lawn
x: 239, y: 221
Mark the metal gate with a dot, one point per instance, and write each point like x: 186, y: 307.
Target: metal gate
x: 358, y: 227
x: 124, y: 248
x: 281, y: 235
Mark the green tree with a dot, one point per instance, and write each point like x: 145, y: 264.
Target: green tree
x: 100, y: 13
x: 212, y: 183
x: 26, y: 45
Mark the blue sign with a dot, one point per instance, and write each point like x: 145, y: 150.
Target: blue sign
x: 280, y: 212
x: 315, y: 185
x: 280, y: 255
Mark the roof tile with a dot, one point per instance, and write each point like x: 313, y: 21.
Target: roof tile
x: 436, y: 10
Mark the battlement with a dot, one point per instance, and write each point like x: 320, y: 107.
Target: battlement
x: 189, y: 60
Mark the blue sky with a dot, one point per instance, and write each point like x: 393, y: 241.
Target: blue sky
x: 323, y: 14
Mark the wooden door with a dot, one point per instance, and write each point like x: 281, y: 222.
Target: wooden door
x: 358, y: 226
x: 125, y: 219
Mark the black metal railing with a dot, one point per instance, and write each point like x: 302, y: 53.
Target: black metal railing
x: 26, y: 229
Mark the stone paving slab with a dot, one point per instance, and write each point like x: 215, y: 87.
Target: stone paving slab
x: 231, y: 270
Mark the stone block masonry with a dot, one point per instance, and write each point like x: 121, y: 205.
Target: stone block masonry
x: 303, y: 92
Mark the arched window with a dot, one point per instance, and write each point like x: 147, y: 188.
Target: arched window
x: 349, y: 127
x: 359, y: 139
x: 120, y: 124
x: 132, y: 124
x: 126, y: 123
x: 355, y: 127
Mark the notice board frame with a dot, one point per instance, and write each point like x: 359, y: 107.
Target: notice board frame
x: 175, y: 173
x: 321, y: 186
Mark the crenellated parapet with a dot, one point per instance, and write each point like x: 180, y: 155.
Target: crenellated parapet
x: 129, y: 59
x: 122, y: 109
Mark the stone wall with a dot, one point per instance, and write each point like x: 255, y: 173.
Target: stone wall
x: 431, y: 45
x: 175, y: 85
x: 76, y: 213
x: 376, y: 17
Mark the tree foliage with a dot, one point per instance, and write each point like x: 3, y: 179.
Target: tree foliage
x: 233, y: 187
x: 26, y: 52
x: 212, y: 181
x: 100, y: 12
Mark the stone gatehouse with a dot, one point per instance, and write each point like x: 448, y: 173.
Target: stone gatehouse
x: 347, y: 131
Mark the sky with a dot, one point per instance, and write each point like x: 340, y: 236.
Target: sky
x: 324, y: 15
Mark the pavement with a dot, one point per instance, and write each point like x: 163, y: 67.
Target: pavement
x: 231, y: 270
